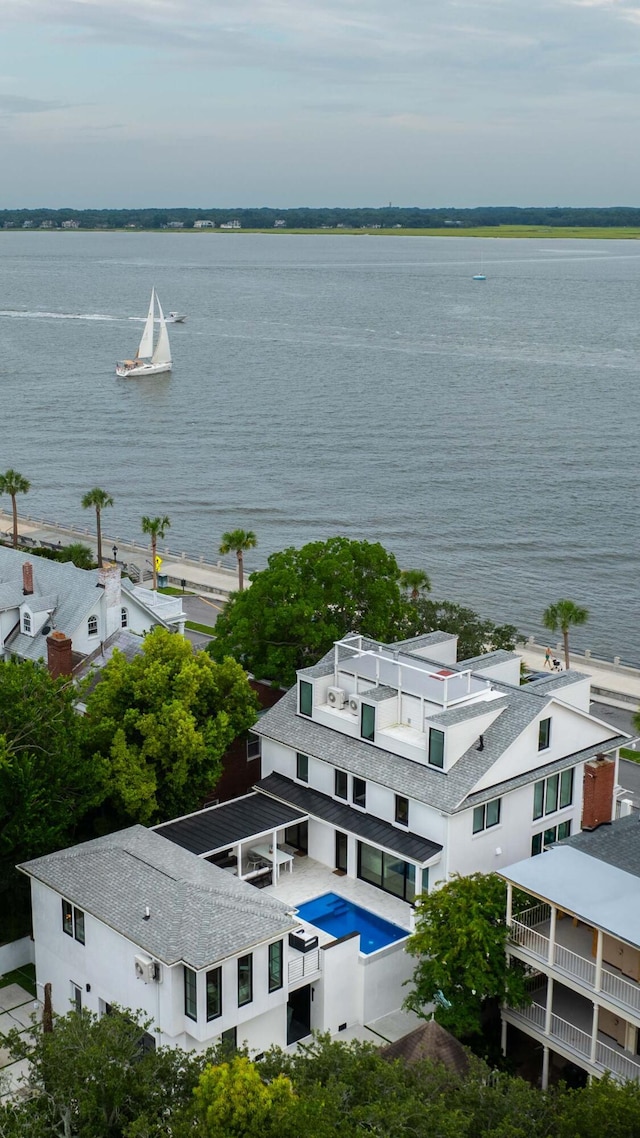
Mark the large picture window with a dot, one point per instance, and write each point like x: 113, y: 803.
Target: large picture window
x: 386, y: 872
x: 553, y: 793
x: 436, y: 747
x: 486, y: 816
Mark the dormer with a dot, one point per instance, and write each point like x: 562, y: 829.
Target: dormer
x: 35, y: 613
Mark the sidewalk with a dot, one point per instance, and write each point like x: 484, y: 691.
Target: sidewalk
x: 215, y: 578
x: 611, y: 682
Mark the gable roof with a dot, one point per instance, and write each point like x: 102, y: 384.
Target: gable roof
x: 199, y: 914
x: 73, y: 591
x: 449, y: 792
x: 429, y: 1042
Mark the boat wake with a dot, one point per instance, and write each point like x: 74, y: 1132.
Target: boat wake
x: 15, y: 314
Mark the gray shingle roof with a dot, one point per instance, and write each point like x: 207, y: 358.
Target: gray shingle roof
x: 618, y: 844
x: 199, y: 914
x: 447, y: 792
x: 75, y: 591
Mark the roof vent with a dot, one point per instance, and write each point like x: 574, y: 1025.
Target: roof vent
x: 46, y: 630
x: 480, y: 746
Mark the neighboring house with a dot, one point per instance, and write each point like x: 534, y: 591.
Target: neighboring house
x: 204, y: 224
x: 412, y: 767
x: 581, y: 943
x: 235, y: 224
x: 49, y: 606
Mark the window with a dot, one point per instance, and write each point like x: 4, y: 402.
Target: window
x: 342, y: 851
x: 26, y: 622
x: 78, y: 925
x: 359, y: 792
x: 124, y: 618
x: 245, y: 980
x: 554, y: 834
x: 67, y: 918
x: 544, y: 734
x: 553, y: 793
x: 92, y: 626
x: 190, y: 993
x: 306, y: 698
x: 302, y: 768
x: 367, y: 722
x: 214, y: 993
x: 340, y: 784
x: 254, y: 749
x: 402, y: 810
x: 275, y: 966
x: 486, y: 816
x: 436, y: 747
x: 229, y: 1039
x: 386, y: 871
x: 76, y: 997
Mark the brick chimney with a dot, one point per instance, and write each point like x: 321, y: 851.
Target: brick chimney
x: 59, y: 660
x: 597, y: 799
x: 27, y: 578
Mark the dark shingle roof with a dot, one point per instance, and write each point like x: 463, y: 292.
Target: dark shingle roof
x: 218, y: 827
x: 429, y: 1042
x: 617, y: 844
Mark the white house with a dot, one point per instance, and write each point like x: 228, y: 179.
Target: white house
x: 84, y: 610
x: 412, y: 767
x: 581, y: 944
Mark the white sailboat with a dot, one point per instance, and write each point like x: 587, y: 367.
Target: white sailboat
x: 150, y: 360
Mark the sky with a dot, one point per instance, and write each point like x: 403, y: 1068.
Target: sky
x: 131, y: 103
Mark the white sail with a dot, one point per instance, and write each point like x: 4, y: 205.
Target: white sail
x: 146, y: 343
x: 162, y: 353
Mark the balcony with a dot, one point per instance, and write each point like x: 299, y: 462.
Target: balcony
x: 570, y: 1032
x: 572, y: 957
x: 303, y: 965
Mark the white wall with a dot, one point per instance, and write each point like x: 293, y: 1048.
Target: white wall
x: 16, y: 953
x: 384, y: 973
x: 339, y: 996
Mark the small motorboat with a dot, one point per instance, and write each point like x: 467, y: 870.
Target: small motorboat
x: 176, y: 318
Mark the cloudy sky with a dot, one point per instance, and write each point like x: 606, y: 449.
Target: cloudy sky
x: 319, y: 102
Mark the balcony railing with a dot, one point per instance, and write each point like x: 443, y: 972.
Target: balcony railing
x: 622, y: 992
x: 579, y: 1042
x: 306, y: 964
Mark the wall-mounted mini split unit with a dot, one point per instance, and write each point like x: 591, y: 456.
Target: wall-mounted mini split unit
x: 336, y: 697
x: 354, y: 704
x: 148, y: 970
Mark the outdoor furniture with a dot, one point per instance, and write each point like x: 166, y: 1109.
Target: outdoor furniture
x: 276, y: 857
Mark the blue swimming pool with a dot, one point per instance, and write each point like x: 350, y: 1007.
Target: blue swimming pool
x: 334, y: 914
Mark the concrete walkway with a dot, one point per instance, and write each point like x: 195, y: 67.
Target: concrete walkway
x: 611, y: 682
x: 18, y: 1010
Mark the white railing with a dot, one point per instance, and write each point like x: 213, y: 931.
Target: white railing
x: 574, y: 1038
x: 535, y: 1013
x: 528, y: 938
x: 622, y: 991
x: 574, y: 965
x: 618, y: 1064
x: 304, y: 965
x: 537, y: 915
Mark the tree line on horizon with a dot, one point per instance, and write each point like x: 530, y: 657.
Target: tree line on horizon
x: 308, y: 217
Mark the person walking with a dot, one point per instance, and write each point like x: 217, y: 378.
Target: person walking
x: 547, y: 658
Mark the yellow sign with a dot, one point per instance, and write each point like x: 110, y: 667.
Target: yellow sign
x: 158, y: 563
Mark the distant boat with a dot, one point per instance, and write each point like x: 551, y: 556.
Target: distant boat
x: 176, y: 318
x: 150, y: 360
x: 479, y: 277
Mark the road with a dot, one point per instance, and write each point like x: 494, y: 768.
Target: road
x: 200, y: 611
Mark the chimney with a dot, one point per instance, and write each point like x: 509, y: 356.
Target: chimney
x: 27, y: 578
x: 59, y: 660
x: 597, y: 797
x: 109, y: 579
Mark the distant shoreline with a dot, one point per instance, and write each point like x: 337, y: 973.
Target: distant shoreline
x: 548, y: 232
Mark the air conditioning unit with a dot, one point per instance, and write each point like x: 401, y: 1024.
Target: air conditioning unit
x: 143, y: 969
x: 354, y: 704
x: 336, y: 697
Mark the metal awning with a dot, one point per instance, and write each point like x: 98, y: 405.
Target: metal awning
x: 219, y: 827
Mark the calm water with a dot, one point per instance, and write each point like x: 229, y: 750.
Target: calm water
x: 487, y: 432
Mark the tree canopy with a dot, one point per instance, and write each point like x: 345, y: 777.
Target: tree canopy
x: 475, y: 634
x: 160, y: 723
x: 459, y: 941
x: 560, y: 617
x: 304, y: 600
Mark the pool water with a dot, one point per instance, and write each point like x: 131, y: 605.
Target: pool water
x: 334, y: 914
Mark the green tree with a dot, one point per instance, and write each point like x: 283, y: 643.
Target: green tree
x: 46, y: 785
x: 12, y: 483
x: 603, y: 1107
x: 238, y: 540
x: 98, y: 500
x: 304, y: 600
x: 161, y: 723
x: 560, y: 617
x: 155, y: 528
x: 460, y: 942
x: 232, y: 1101
x: 475, y: 634
x: 416, y: 581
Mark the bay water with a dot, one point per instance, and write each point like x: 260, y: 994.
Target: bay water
x: 486, y: 431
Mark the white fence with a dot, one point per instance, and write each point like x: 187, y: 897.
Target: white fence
x: 17, y: 953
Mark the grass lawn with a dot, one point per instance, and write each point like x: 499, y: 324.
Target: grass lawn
x: 628, y: 753
x: 200, y: 628
x: 170, y: 591
x: 547, y: 231
x: 25, y: 977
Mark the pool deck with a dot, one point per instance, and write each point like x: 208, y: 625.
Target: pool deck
x: 311, y: 879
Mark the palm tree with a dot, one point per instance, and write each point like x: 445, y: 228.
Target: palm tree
x: 99, y: 499
x: 561, y: 616
x: 155, y: 528
x: 416, y: 580
x: 12, y: 483
x: 237, y: 540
